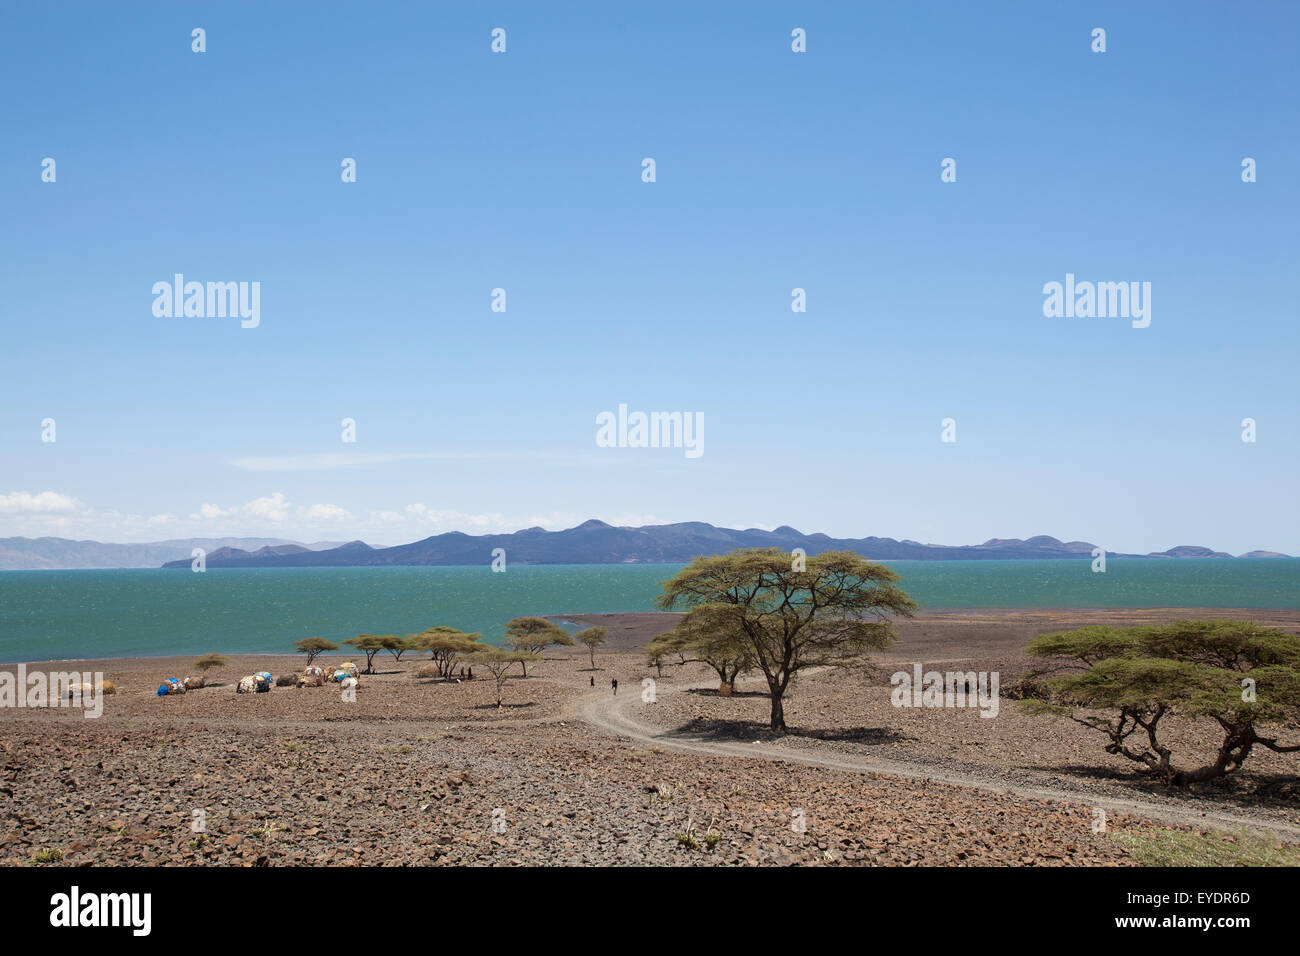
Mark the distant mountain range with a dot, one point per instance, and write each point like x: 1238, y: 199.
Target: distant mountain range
x: 50, y: 554
x: 595, y: 542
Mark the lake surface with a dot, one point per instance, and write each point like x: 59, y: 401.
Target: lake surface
x: 50, y: 615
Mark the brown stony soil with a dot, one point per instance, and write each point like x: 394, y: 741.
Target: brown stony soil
x: 412, y: 772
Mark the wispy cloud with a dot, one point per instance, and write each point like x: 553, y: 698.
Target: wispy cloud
x: 333, y: 461
x: 339, y: 460
x: 275, y: 515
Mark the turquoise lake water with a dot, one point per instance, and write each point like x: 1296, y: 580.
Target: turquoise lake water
x: 47, y: 615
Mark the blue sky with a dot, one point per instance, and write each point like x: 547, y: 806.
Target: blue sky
x: 775, y: 170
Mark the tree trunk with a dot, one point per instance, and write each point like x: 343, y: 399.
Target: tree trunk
x: 778, y: 714
x: 725, y: 688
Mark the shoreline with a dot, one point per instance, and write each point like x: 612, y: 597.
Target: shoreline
x: 631, y: 630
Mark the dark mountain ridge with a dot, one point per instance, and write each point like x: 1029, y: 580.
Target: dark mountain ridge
x: 595, y: 542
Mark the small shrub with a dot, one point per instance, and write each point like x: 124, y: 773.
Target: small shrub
x: 212, y: 660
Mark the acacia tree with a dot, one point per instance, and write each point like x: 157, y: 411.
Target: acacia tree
x: 1237, y: 673
x: 826, y: 610
x: 445, y: 645
x: 313, y: 646
x: 534, y: 635
x: 372, y: 644
x: 708, y: 635
x: 593, y: 637
x: 498, y: 663
x: 655, y: 656
x: 399, y: 646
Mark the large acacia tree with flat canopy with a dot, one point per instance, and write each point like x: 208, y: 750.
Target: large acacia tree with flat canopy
x: 1124, y: 681
x: 793, y: 612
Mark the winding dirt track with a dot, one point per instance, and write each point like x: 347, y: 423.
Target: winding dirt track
x: 616, y: 715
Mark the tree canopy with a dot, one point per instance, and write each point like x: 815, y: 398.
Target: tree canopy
x: 710, y: 635
x: 1239, y: 674
x: 313, y: 646
x: 372, y: 644
x: 446, y: 645
x: 824, y: 610
x: 498, y: 663
x: 593, y: 637
x: 399, y: 646
x: 534, y: 635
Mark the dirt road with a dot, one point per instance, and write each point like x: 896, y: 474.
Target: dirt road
x: 617, y: 714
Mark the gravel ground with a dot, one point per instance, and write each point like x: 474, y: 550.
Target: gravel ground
x: 418, y: 772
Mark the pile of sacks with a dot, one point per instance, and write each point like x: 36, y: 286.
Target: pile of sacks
x: 174, y: 685
x: 259, y: 683
x: 341, y: 673
x: 315, y: 676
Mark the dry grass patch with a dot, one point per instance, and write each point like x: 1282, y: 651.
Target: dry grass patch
x: 1155, y: 847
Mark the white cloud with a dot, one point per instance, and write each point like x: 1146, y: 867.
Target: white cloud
x: 45, y: 502
x: 324, y: 513
x: 446, y: 520
x: 273, y: 508
x: 558, y: 521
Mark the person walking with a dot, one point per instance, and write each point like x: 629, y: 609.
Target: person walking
x: 613, y: 683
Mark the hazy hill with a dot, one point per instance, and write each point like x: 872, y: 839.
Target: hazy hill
x: 32, y: 554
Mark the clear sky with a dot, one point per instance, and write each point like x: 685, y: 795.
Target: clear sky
x: 774, y: 170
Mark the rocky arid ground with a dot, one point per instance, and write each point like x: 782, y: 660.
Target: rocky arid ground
x: 426, y: 772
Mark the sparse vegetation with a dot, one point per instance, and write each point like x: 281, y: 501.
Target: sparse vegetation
x: 207, y: 663
x: 498, y: 663
x: 1151, y: 846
